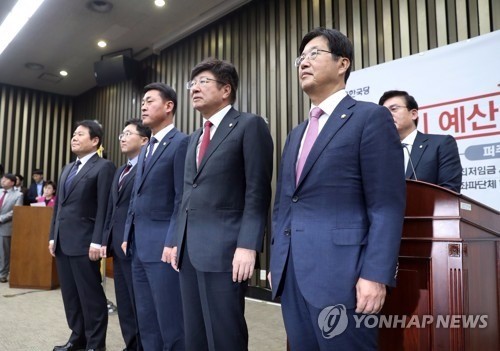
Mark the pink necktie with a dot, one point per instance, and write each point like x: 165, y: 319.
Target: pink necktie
x: 312, y: 134
x: 205, y: 141
x: 2, y: 198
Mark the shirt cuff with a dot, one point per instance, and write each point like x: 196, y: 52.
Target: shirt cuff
x: 95, y: 246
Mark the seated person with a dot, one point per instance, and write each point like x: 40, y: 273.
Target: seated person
x: 49, y: 194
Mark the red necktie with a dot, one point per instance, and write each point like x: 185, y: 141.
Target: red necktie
x: 311, y: 135
x: 3, y: 197
x: 205, y: 141
x: 122, y: 176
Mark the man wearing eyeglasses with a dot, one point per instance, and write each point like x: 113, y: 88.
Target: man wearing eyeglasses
x: 227, y: 192
x: 430, y: 158
x: 134, y: 136
x: 151, y: 222
x: 339, y: 207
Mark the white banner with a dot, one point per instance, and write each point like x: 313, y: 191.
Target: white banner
x: 457, y: 88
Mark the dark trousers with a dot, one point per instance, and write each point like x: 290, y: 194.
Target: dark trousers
x: 158, y: 304
x: 124, y: 291
x: 306, y: 332
x: 84, y: 301
x: 214, y: 308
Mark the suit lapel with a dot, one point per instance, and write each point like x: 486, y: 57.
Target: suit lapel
x: 85, y: 169
x: 126, y: 181
x: 191, y: 153
x: 225, y: 127
x: 295, y: 141
x: 162, y: 146
x: 417, y: 150
x: 337, y: 119
x: 114, y: 187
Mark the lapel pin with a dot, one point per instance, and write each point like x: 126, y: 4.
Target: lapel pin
x: 230, y: 125
x: 420, y: 146
x: 164, y: 144
x: 343, y: 116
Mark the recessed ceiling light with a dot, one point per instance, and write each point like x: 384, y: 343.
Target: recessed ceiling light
x: 63, y: 73
x: 100, y: 6
x: 34, y: 66
x: 101, y: 44
x: 160, y: 3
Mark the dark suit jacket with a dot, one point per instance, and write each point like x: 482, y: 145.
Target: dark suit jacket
x: 117, y: 212
x: 436, y: 160
x: 79, y: 215
x: 344, y: 218
x: 156, y: 197
x: 226, y: 201
x: 33, y: 192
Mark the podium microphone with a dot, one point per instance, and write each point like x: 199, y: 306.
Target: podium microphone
x: 405, y: 146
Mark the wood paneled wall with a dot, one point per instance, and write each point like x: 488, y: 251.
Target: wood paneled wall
x: 262, y: 40
x: 35, y: 131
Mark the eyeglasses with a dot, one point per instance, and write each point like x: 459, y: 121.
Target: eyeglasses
x: 311, y: 56
x: 395, y: 108
x: 201, y: 82
x: 126, y: 135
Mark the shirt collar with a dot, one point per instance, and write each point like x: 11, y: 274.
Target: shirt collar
x: 133, y: 161
x: 330, y: 103
x: 410, y: 138
x: 85, y: 158
x: 217, y: 117
x: 161, y: 134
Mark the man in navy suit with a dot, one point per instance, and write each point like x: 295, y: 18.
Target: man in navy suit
x: 227, y: 192
x: 339, y: 207
x: 431, y: 158
x: 76, y: 237
x: 134, y: 136
x: 36, y: 187
x: 151, y: 223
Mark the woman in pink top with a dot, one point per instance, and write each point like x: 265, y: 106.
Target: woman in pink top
x: 49, y: 194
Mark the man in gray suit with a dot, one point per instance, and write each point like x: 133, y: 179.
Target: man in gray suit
x: 134, y: 136
x: 9, y: 197
x: 76, y: 237
x: 227, y: 191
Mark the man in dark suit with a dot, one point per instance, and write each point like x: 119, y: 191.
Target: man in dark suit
x: 36, y: 188
x: 76, y: 237
x: 227, y: 191
x: 134, y: 136
x: 431, y: 158
x: 151, y: 223
x: 20, y: 187
x: 339, y: 207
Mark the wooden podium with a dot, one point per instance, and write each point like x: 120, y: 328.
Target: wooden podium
x: 31, y: 265
x: 449, y: 264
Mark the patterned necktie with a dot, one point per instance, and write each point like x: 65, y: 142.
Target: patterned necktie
x: 152, y: 143
x: 2, y: 198
x: 205, y: 141
x: 123, y: 175
x: 312, y: 134
x: 71, y: 175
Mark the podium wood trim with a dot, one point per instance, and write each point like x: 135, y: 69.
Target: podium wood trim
x: 453, y: 242
x: 31, y: 264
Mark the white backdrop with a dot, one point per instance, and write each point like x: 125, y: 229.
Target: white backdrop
x: 457, y: 88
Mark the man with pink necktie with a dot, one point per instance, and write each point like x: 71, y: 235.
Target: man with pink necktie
x: 339, y: 206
